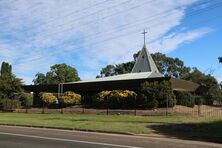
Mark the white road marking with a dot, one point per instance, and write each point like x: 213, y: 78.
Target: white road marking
x: 68, y: 140
x: 153, y: 138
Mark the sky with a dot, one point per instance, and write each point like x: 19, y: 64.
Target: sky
x: 90, y: 34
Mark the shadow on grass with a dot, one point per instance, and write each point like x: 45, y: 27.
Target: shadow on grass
x: 211, y: 131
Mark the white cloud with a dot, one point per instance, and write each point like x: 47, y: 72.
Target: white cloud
x: 40, y: 33
x: 173, y: 40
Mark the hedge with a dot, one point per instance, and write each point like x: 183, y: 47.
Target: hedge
x: 185, y: 98
x: 9, y: 104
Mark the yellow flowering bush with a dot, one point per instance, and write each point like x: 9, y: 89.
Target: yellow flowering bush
x: 48, y: 98
x: 70, y: 98
x: 116, y: 99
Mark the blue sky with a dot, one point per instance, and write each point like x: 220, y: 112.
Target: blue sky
x: 90, y: 34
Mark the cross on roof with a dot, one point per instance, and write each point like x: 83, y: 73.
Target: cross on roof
x: 144, y: 33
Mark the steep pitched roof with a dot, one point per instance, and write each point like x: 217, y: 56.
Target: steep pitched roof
x: 144, y: 68
x: 144, y: 62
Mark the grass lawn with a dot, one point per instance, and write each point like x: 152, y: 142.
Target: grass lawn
x: 186, y: 127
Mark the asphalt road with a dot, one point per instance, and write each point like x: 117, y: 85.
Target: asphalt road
x: 23, y: 137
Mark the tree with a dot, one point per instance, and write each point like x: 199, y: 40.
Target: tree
x: 166, y: 65
x: 109, y: 70
x: 6, y: 69
x: 155, y: 94
x: 59, y: 73
x: 170, y: 66
x: 124, y: 67
x: 214, y: 90
x: 185, y: 98
x: 197, y: 76
x: 9, y: 84
x: 26, y: 99
x: 40, y: 78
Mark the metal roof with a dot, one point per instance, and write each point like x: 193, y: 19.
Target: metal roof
x: 144, y: 68
x: 128, y: 76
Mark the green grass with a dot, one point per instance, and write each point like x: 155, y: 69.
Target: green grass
x: 177, y: 126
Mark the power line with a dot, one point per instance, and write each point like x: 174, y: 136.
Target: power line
x: 150, y: 19
x: 91, y: 14
x: 95, y: 43
x: 108, y: 39
x: 154, y: 17
x: 73, y: 12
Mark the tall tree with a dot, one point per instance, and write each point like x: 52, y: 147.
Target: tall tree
x: 214, y: 91
x: 59, y: 73
x: 6, y: 68
x: 9, y: 84
x: 167, y: 66
x: 170, y: 66
x: 40, y: 78
x: 109, y: 70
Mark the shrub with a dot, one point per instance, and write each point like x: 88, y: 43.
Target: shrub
x: 48, y: 98
x: 152, y: 103
x: 70, y: 98
x: 9, y: 104
x: 99, y: 100
x: 26, y: 99
x: 155, y: 94
x: 116, y: 99
x: 185, y: 98
x: 199, y: 100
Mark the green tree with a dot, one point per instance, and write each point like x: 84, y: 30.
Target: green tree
x: 59, y: 73
x: 156, y: 94
x: 124, y: 67
x: 40, y: 78
x: 109, y: 70
x: 185, y: 98
x: 170, y: 66
x: 9, y: 84
x: 26, y: 99
x: 6, y: 69
x: 214, y: 90
x: 166, y: 65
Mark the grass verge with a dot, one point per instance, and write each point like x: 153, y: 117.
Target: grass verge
x: 185, y: 127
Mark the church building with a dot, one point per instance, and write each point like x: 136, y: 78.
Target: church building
x: 144, y: 69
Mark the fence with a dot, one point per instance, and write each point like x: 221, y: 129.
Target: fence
x: 197, y: 110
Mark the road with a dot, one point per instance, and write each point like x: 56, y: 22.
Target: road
x: 25, y: 137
